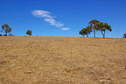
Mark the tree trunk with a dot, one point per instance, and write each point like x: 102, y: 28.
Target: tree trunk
x: 87, y: 35
x: 6, y: 34
x: 94, y: 33
x: 103, y: 34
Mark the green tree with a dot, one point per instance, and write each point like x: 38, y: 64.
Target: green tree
x: 93, y: 24
x: 103, y: 27
x: 88, y: 30
x: 85, y: 31
x: 124, y: 35
x: 29, y: 32
x: 6, y: 28
x: 81, y: 33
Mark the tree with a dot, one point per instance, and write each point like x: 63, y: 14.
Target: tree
x: 85, y: 31
x: 6, y: 28
x: 93, y: 24
x: 124, y: 35
x: 88, y: 30
x: 103, y: 27
x: 81, y: 33
x: 29, y: 32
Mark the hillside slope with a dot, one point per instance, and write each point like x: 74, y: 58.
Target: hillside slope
x: 62, y: 60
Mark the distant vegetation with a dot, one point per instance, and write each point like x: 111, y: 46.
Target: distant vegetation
x: 95, y: 25
x: 29, y: 32
x: 124, y: 36
x: 6, y: 29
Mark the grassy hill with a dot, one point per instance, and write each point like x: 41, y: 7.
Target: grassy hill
x: 62, y: 60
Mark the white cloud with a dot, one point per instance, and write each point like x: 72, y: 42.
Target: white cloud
x: 47, y: 17
x: 65, y: 28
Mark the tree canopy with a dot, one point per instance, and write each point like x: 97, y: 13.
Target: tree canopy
x: 6, y: 28
x: 29, y: 32
x: 95, y: 25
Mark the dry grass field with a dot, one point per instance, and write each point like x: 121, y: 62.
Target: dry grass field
x: 62, y: 60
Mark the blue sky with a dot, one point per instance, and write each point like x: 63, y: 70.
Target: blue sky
x: 71, y: 14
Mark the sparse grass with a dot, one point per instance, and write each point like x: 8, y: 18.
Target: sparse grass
x: 62, y: 60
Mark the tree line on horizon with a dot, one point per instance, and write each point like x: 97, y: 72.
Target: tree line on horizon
x: 7, y: 30
x: 94, y: 26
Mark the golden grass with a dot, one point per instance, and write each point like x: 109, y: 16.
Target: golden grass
x: 62, y: 60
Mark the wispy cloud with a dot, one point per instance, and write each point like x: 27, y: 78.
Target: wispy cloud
x: 47, y: 17
x: 65, y: 28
